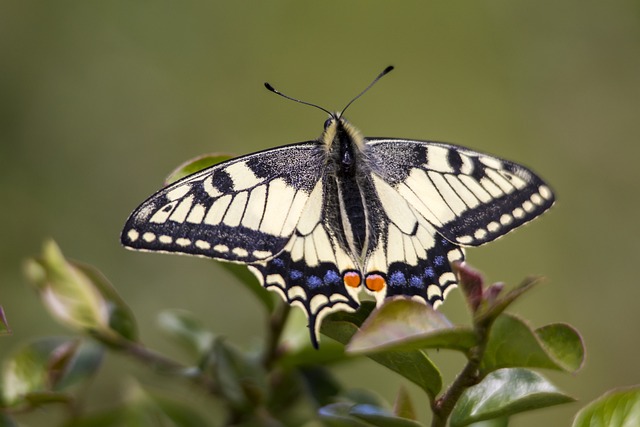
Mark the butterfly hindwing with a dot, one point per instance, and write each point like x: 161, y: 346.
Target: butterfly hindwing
x: 242, y: 210
x: 470, y: 198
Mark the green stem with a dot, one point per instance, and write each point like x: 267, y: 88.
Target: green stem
x: 443, y: 406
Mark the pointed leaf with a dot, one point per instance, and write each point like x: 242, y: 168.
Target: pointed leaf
x: 403, y: 406
x: 413, y: 364
x: 242, y: 380
x: 404, y: 324
x: 337, y: 415
x: 494, y: 306
x: 187, y: 330
x: 512, y: 343
x: 503, y: 393
x: 616, y: 408
x: 380, y: 417
x: 195, y: 165
x: 78, y: 296
x: 38, y: 369
x: 4, y: 325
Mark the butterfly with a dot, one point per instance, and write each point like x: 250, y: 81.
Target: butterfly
x: 320, y: 221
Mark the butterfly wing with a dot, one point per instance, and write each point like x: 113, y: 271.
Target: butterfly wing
x: 243, y: 210
x: 471, y: 198
x: 436, y: 198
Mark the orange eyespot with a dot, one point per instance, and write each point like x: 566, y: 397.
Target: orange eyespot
x: 351, y: 278
x: 375, y: 282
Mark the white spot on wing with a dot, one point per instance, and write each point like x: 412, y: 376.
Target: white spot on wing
x: 181, y: 241
x: 148, y: 237
x: 545, y: 192
x: 242, y: 176
x: 236, y: 210
x: 437, y: 159
x: 203, y: 245
x: 217, y: 210
x: 165, y: 239
x: 161, y: 215
x: 197, y: 214
x: 240, y: 252
x: 209, y: 188
x: 178, y: 192
x: 221, y: 248
x: 255, y: 208
x: 133, y: 235
x: 180, y: 213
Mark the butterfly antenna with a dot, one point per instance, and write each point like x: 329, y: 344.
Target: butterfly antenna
x: 382, y: 74
x: 272, y: 89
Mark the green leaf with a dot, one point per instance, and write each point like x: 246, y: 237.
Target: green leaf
x: 512, y: 343
x: 616, y: 408
x: 404, y: 324
x: 412, y: 364
x: 195, y: 165
x: 503, y: 393
x: 35, y: 372
x: 145, y: 408
x: 187, y: 330
x: 329, y: 352
x: 241, y: 380
x: 491, y: 309
x: 564, y: 345
x: 4, y: 325
x: 242, y: 273
x: 7, y: 421
x: 496, y: 422
x: 403, y: 406
x: 380, y: 417
x: 349, y: 415
x: 79, y: 296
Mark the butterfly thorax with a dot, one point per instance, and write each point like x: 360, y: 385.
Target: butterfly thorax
x: 345, y: 184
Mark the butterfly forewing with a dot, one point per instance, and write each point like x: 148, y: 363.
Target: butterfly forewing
x: 242, y: 210
x: 470, y: 198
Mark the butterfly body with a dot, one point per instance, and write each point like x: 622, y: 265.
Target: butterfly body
x: 320, y: 221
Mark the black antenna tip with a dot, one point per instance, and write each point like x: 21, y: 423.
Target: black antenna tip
x: 269, y: 87
x: 387, y: 70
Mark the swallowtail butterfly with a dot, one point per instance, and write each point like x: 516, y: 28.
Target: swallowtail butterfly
x: 319, y: 221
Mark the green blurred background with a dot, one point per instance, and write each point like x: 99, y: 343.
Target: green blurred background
x: 100, y: 100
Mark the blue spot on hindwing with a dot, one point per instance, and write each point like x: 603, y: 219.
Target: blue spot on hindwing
x: 278, y: 262
x: 314, y: 282
x: 439, y: 260
x: 295, y: 274
x: 331, y: 277
x: 428, y: 272
x: 415, y: 281
x: 397, y: 279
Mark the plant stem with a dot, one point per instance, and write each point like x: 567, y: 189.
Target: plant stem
x: 443, y: 406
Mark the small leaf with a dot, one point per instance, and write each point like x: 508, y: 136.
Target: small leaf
x: 498, y: 302
x: 345, y: 414
x: 564, y: 344
x: 4, y: 325
x: 145, y: 408
x: 187, y: 330
x: 413, y: 364
x: 404, y: 324
x: 251, y: 283
x: 44, y: 366
x: 241, y: 380
x: 403, y: 406
x: 616, y: 408
x: 503, y: 393
x: 380, y: 417
x: 512, y: 343
x: 78, y: 296
x: 195, y: 165
x: 337, y: 415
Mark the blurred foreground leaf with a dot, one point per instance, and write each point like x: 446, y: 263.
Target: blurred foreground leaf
x: 344, y: 414
x: 38, y: 371
x: 404, y: 324
x: 503, y: 393
x: 617, y: 408
x: 187, y: 330
x: 195, y: 165
x: 512, y: 343
x: 414, y: 365
x: 79, y: 296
